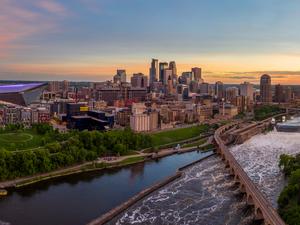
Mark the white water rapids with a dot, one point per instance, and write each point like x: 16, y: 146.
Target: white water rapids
x: 259, y: 157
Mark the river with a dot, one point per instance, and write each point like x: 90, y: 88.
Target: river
x: 78, y: 199
x: 205, y: 195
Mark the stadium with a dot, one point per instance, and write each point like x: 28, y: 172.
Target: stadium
x: 22, y: 94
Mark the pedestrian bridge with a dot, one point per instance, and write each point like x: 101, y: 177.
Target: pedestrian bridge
x: 263, y: 210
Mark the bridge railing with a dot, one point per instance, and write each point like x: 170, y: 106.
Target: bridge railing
x: 269, y: 213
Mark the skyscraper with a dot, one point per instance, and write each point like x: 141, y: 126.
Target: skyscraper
x: 265, y: 89
x: 219, y: 90
x: 65, y: 85
x: 166, y: 74
x: 170, y: 85
x: 279, y: 93
x: 120, y: 77
x: 186, y: 77
x: 197, y: 73
x: 154, y: 71
x: 231, y: 94
x: 288, y: 94
x: 172, y: 66
x: 246, y: 89
x: 162, y: 67
x: 139, y: 80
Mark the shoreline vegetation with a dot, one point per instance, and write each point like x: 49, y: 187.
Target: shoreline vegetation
x: 263, y: 112
x: 96, y: 166
x: 289, y: 199
x: 49, y: 159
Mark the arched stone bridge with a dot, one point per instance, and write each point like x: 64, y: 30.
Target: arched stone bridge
x: 263, y: 209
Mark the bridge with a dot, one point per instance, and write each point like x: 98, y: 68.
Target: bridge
x: 263, y: 210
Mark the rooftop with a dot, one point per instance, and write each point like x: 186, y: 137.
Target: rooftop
x: 14, y: 88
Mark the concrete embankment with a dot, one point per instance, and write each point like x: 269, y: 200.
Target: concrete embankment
x: 124, y: 206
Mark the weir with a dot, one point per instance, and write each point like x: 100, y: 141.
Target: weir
x: 263, y: 209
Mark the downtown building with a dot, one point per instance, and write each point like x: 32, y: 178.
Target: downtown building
x: 17, y: 114
x: 265, y: 89
x: 124, y: 92
x: 143, y: 120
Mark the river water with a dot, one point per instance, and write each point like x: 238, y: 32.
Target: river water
x: 205, y: 195
x: 259, y: 157
x: 78, y: 199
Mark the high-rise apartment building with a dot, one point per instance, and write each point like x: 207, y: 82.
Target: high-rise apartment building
x: 54, y: 86
x: 204, y: 88
x: 279, y: 94
x: 282, y: 94
x: 265, y: 89
x: 231, y: 94
x: 288, y: 94
x: 139, y: 80
x: 154, y: 71
x: 120, y: 77
x: 246, y: 90
x: 186, y: 78
x: 197, y: 74
x: 65, y: 85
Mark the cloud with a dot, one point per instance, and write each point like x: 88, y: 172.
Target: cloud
x: 52, y: 7
x: 20, y: 20
x: 271, y: 72
x: 243, y: 77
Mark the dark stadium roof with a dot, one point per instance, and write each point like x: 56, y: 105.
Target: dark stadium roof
x: 15, y: 88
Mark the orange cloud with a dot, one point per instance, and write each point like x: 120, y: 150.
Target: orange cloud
x: 98, y: 72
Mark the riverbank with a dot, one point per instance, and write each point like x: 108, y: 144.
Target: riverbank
x: 96, y: 165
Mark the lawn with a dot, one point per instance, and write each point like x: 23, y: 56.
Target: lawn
x: 20, y: 140
x: 196, y: 143
x: 180, y: 134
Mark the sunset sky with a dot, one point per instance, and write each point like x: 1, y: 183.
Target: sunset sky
x: 232, y: 40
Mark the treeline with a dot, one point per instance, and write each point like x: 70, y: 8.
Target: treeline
x: 289, y: 199
x: 263, y: 112
x: 61, y: 150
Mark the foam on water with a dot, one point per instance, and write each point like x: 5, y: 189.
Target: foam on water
x: 259, y: 157
x: 206, y: 194
x: 4, y: 223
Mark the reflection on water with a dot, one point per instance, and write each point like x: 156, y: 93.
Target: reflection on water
x: 80, y: 198
x: 259, y: 157
x: 206, y: 194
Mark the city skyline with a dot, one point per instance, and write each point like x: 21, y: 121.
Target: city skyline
x: 231, y: 41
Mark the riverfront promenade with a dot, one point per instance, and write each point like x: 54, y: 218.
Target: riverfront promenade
x: 263, y: 209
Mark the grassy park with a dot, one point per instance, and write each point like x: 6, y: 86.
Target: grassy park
x: 176, y: 135
x: 20, y: 140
